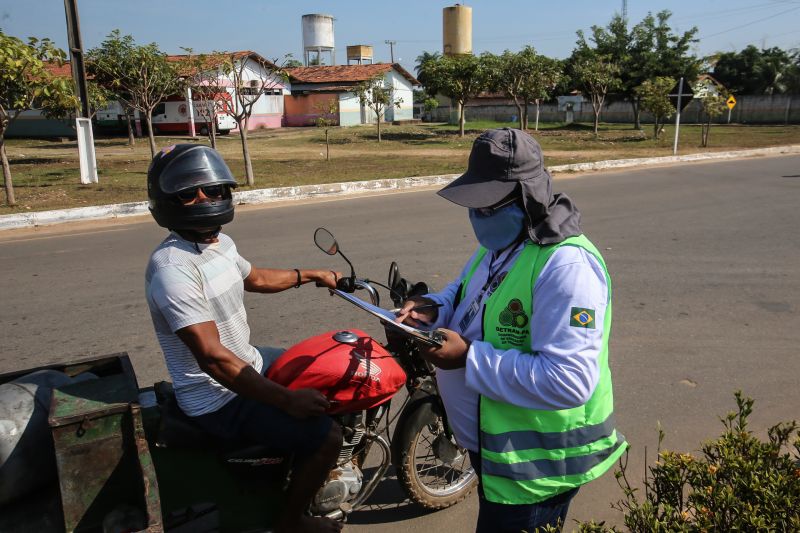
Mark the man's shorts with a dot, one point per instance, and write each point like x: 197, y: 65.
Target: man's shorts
x: 248, y: 421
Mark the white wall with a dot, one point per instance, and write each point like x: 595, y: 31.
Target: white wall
x: 402, y: 90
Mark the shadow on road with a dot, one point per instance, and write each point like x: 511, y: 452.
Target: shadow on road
x: 387, y: 504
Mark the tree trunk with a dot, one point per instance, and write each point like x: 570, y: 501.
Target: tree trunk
x: 248, y: 165
x: 704, y: 131
x: 212, y: 132
x: 131, y: 138
x: 596, y: 121
x: 519, y: 113
x: 327, y: 147
x: 537, y: 115
x: 461, y: 119
x: 525, y: 117
x: 378, y: 121
x: 9, y: 185
x: 149, y: 118
x: 655, y: 129
x: 637, y: 111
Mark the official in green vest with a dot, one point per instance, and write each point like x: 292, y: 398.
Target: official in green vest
x: 523, y: 371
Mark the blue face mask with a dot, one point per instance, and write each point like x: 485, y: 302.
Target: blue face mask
x: 500, y: 229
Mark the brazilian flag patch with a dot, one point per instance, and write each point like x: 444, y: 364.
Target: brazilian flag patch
x: 581, y: 317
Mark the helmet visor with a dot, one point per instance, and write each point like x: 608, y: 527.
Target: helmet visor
x: 204, y: 168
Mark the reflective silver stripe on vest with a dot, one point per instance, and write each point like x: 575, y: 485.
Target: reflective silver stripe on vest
x: 557, y: 440
x: 543, y: 468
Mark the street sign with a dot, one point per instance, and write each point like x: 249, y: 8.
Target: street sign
x: 731, y: 102
x: 686, y: 95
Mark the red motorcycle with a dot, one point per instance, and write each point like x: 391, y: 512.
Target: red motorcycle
x: 362, y: 378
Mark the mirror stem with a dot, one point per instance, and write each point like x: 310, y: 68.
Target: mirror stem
x: 352, y: 270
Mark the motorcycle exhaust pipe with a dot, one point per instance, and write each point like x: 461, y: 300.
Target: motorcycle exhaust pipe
x: 341, y: 513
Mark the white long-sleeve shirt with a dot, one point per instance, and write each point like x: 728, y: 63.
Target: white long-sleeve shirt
x: 560, y: 371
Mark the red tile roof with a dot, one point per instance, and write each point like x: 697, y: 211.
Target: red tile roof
x: 60, y: 71
x: 345, y: 73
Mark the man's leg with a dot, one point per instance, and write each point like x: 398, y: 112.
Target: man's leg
x: 306, y: 480
x: 316, y: 443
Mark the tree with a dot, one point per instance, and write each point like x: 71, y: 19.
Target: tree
x: 654, y: 97
x: 293, y: 63
x: 792, y: 77
x: 328, y: 116
x: 210, y: 96
x: 26, y: 83
x: 140, y: 76
x: 753, y: 70
x: 251, y: 76
x: 460, y: 78
x: 68, y: 108
x: 508, y: 74
x: 419, y: 69
x: 713, y: 99
x: 377, y: 97
x: 596, y: 75
x: 430, y: 104
x: 526, y: 77
x: 539, y: 85
x: 650, y: 49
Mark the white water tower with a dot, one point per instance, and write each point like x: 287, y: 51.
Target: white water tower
x: 318, y: 39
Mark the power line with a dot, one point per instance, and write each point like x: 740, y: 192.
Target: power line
x: 750, y: 23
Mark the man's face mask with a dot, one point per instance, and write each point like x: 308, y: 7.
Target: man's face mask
x: 495, y: 229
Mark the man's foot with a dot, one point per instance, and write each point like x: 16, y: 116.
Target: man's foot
x: 309, y: 524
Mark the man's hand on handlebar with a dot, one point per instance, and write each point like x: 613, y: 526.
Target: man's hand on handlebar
x: 304, y: 403
x: 418, y: 318
x: 327, y: 278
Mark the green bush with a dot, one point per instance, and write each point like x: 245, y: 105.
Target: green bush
x: 737, y: 483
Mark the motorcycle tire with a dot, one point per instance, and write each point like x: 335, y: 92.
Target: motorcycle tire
x: 416, y: 438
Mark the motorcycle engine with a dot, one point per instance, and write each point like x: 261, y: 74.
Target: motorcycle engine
x: 343, y: 484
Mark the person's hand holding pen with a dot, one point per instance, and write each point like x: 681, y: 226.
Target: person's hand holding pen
x: 418, y: 311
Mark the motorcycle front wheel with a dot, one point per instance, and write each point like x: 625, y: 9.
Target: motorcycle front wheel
x: 432, y: 469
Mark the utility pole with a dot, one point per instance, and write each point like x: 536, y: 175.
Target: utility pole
x: 76, y: 55
x: 625, y: 10
x: 678, y: 118
x: 391, y: 48
x: 83, y: 124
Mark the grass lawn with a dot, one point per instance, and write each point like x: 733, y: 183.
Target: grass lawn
x: 46, y: 175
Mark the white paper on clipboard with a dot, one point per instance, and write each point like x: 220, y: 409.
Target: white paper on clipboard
x: 387, y: 317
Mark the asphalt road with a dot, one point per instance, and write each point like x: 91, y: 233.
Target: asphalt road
x: 704, y: 260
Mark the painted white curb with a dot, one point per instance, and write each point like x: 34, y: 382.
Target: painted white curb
x: 260, y: 196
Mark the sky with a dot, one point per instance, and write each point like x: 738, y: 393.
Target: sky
x: 272, y: 27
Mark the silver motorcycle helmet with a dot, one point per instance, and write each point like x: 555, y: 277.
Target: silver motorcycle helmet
x: 186, y: 167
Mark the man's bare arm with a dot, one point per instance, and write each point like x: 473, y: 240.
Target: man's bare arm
x: 233, y: 373
x: 269, y: 280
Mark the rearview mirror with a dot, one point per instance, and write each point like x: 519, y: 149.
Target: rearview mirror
x: 325, y: 241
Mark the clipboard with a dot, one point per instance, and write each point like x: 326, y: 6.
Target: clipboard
x: 431, y: 338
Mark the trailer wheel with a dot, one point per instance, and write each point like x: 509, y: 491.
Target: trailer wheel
x: 203, y: 130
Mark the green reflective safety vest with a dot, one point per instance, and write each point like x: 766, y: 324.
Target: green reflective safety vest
x: 530, y: 455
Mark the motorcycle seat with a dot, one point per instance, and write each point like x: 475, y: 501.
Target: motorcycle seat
x: 178, y: 430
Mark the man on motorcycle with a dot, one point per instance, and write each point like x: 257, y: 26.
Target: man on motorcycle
x: 195, y: 283
x: 527, y: 326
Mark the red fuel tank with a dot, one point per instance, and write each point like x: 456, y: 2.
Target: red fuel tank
x: 349, y: 367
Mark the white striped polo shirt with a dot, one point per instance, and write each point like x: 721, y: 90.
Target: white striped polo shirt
x: 187, y: 284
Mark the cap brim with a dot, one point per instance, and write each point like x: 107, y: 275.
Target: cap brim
x: 474, y: 191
